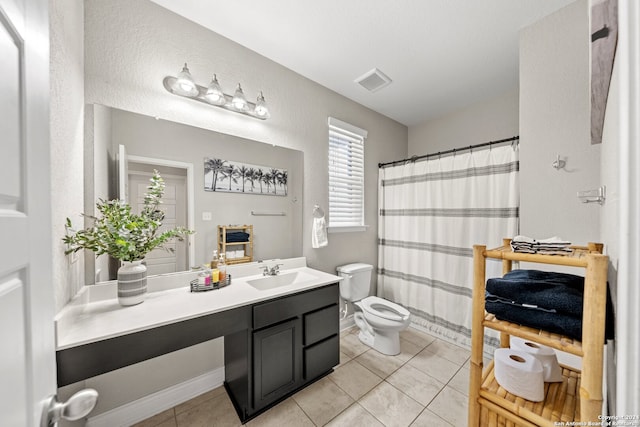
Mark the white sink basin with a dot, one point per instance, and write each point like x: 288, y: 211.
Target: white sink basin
x: 282, y: 279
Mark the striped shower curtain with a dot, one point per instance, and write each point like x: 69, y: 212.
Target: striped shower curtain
x: 431, y: 213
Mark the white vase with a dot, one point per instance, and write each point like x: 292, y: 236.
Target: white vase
x: 132, y: 282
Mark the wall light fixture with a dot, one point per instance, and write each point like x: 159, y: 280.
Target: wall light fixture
x: 184, y: 85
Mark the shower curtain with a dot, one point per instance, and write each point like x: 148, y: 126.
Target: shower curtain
x: 431, y: 213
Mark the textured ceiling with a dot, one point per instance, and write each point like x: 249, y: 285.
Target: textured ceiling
x: 440, y: 54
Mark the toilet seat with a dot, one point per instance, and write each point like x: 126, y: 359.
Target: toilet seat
x: 385, y: 309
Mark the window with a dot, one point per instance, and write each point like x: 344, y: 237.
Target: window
x: 346, y: 176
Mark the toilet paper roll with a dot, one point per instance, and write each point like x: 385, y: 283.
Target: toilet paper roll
x: 519, y: 373
x: 552, y: 372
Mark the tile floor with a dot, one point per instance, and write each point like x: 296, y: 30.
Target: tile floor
x: 425, y: 385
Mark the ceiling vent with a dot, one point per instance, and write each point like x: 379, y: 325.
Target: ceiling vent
x: 373, y: 80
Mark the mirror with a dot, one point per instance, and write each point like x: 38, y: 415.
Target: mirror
x: 179, y: 151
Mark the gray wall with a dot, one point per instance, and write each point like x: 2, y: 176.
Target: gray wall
x: 489, y: 120
x: 555, y: 120
x: 66, y: 118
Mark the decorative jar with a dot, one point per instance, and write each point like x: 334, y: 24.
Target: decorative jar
x: 132, y: 283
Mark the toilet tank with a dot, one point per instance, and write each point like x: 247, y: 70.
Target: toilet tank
x: 356, y: 281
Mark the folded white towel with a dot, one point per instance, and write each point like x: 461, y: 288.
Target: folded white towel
x: 523, y: 239
x: 555, y: 240
x: 550, y: 246
x: 319, y: 233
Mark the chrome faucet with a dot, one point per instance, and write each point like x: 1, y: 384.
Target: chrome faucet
x: 273, y: 271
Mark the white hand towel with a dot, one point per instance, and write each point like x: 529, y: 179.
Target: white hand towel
x: 523, y: 239
x: 555, y: 240
x: 319, y: 233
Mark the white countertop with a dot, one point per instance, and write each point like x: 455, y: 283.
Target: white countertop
x: 95, y: 314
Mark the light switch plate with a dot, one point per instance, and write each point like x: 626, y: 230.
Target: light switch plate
x: 206, y: 216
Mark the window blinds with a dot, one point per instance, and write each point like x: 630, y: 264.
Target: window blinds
x: 346, y: 174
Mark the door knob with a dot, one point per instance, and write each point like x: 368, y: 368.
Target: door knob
x: 77, y: 406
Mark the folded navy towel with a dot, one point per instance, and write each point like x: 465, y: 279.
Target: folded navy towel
x: 553, y: 291
x: 534, y: 317
x: 545, y: 300
x: 237, y: 236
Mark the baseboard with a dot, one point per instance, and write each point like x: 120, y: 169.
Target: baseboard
x: 155, y: 403
x: 346, y: 323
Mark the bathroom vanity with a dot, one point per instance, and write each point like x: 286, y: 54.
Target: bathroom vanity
x: 291, y: 342
x: 281, y: 332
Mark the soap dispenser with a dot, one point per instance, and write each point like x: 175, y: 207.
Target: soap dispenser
x: 215, y: 273
x: 222, y: 268
x: 214, y: 259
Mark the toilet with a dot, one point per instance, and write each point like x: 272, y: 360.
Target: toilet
x: 380, y: 321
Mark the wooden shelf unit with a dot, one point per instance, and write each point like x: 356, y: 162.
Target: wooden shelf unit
x: 579, y: 396
x: 247, y: 246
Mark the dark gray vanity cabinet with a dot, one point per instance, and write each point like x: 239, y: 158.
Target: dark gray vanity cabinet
x: 321, y: 341
x: 277, y: 363
x: 293, y: 341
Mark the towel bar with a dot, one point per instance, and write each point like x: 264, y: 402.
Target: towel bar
x: 254, y: 213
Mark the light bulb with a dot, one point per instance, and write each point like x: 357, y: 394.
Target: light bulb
x: 239, y: 102
x: 261, y: 109
x: 184, y: 83
x: 214, y: 92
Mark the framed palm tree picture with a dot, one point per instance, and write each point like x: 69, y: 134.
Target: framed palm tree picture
x: 236, y: 177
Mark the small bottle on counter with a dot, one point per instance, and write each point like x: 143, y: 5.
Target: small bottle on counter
x: 204, y: 278
x: 215, y: 273
x: 214, y: 259
x: 222, y: 268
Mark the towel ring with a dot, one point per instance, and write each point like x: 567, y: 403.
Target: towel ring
x: 317, y: 212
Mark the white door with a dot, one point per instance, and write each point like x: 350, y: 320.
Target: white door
x: 27, y: 353
x: 27, y: 359
x: 174, y: 256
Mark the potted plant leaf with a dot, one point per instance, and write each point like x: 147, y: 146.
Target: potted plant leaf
x: 128, y: 237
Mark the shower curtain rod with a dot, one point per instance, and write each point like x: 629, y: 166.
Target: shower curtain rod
x: 452, y: 151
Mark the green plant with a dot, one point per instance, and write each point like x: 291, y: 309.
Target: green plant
x: 122, y: 234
